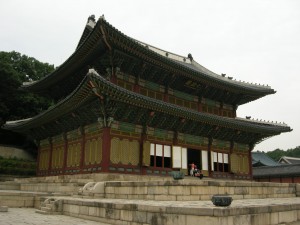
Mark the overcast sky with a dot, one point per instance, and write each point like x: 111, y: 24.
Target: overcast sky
x: 256, y: 41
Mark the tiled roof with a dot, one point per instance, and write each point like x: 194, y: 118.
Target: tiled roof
x: 97, y: 38
x: 262, y: 159
x: 289, y: 160
x: 83, y: 94
x: 195, y: 66
x: 276, y: 171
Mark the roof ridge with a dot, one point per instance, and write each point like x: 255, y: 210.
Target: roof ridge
x: 289, y: 157
x: 282, y: 124
x: 184, y: 61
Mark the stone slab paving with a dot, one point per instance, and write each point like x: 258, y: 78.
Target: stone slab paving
x: 27, y: 216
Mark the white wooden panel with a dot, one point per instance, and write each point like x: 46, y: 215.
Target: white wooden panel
x: 215, y: 157
x: 225, y: 158
x: 176, y: 152
x: 212, y: 160
x: 152, y: 149
x: 204, y: 160
x: 159, y: 149
x: 220, y: 157
x: 167, y: 151
x: 184, y: 158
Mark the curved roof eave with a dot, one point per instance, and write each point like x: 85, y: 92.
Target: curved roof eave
x: 158, y: 105
x: 82, y: 52
x: 87, y: 30
x: 84, y: 93
x: 80, y: 95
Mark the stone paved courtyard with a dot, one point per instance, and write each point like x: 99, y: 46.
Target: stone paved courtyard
x: 27, y: 216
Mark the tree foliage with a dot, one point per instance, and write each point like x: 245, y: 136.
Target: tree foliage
x: 15, y: 166
x: 16, y: 103
x: 27, y: 68
x: 278, y: 153
x: 14, y: 70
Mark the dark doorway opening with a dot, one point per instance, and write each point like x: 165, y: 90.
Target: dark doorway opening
x: 194, y: 156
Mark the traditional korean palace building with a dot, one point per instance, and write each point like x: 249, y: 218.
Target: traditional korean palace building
x: 123, y: 106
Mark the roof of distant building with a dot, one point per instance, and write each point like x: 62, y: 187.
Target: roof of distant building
x: 262, y: 159
x: 289, y: 160
x: 276, y: 171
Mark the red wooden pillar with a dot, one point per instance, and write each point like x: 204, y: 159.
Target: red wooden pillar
x: 81, y: 163
x: 38, y: 159
x: 136, y: 88
x: 114, y: 80
x: 221, y: 109
x: 234, y: 111
x: 175, y: 143
x: 209, y: 156
x: 199, y: 104
x: 105, y: 149
x: 143, y: 139
x: 50, y: 156
x: 229, y: 156
x: 65, y: 152
x: 250, y: 161
x: 166, y: 97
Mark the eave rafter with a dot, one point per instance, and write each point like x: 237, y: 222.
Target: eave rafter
x: 162, y: 77
x: 139, y: 117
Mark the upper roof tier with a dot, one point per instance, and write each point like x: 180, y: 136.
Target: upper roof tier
x: 102, y: 46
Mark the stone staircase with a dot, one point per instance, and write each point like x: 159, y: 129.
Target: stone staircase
x: 51, y: 206
x: 185, y: 190
x: 134, y: 200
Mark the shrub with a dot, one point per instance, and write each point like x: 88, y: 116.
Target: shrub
x: 14, y: 166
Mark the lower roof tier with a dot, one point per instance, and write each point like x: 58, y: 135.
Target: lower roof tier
x: 97, y: 99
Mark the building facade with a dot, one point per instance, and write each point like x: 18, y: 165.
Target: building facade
x: 123, y: 106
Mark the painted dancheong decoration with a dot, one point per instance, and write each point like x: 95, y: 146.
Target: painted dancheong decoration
x: 123, y: 106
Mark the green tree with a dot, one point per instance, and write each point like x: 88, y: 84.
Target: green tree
x: 16, y: 103
x: 9, y: 84
x: 278, y: 153
x: 27, y: 68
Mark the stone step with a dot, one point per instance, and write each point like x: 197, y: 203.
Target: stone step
x: 47, y: 212
x: 42, y: 212
x: 49, y: 205
x: 194, y: 190
x: 3, y: 209
x: 240, y: 212
x: 61, y: 194
x: 46, y: 209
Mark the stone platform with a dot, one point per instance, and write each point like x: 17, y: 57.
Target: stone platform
x: 119, y: 211
x: 195, y: 190
x: 154, y: 201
